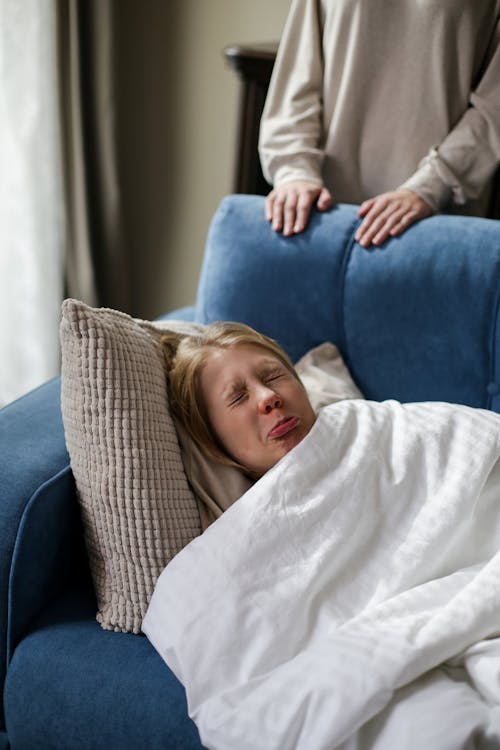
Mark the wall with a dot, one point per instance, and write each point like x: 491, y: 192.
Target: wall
x: 178, y: 113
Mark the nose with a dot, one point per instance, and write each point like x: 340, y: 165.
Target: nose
x: 269, y: 401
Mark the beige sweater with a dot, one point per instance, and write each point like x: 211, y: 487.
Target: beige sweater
x: 370, y: 95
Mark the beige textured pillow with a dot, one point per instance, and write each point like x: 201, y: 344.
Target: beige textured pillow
x: 137, y: 507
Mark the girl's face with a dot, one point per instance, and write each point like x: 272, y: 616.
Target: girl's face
x: 257, y: 408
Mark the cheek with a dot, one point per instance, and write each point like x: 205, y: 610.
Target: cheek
x: 228, y: 428
x: 300, y: 397
x: 219, y: 426
x: 238, y: 436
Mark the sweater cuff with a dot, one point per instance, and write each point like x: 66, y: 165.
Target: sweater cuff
x: 298, y: 168
x: 435, y: 183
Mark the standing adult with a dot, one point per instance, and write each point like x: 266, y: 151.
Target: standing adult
x: 391, y: 104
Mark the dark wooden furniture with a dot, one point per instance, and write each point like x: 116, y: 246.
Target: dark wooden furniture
x: 254, y: 66
x: 494, y: 212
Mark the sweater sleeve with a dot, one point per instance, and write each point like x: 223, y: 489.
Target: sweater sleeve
x: 290, y: 142
x: 457, y: 169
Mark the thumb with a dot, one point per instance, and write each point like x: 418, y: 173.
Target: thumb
x: 325, y: 200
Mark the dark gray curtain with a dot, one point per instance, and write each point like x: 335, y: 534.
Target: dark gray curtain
x: 97, y: 265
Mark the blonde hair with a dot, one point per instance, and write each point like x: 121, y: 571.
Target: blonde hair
x: 186, y: 357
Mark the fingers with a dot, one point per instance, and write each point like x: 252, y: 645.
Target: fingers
x: 365, y: 207
x: 325, y: 200
x: 288, y: 207
x: 379, y: 221
x: 388, y: 215
x: 269, y: 205
x: 299, y: 222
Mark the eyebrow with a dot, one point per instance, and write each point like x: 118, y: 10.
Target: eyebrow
x: 231, y: 389
x: 234, y: 387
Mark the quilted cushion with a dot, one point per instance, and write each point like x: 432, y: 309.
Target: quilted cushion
x: 137, y: 507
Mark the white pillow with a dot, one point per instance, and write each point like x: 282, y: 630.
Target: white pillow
x: 326, y: 377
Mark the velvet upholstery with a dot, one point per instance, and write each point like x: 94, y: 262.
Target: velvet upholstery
x: 34, y: 459
x: 417, y: 319
x: 97, y: 689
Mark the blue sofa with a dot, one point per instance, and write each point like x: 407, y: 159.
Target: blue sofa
x: 416, y: 319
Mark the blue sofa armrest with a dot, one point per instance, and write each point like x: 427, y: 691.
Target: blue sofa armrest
x: 48, y: 628
x: 42, y: 550
x: 41, y: 541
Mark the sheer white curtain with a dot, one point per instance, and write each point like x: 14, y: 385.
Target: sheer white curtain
x: 32, y: 225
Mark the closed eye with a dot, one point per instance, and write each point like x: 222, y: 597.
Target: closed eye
x: 274, y: 376
x: 237, y: 399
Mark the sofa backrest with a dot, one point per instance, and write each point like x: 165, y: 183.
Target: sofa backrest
x: 416, y: 319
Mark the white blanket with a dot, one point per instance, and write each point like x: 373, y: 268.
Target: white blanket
x: 351, y: 597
